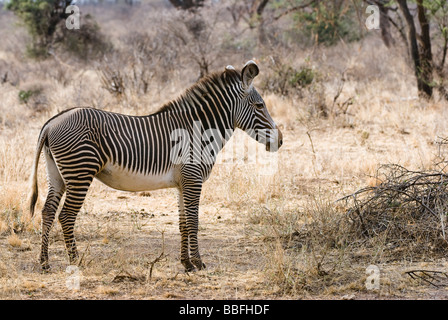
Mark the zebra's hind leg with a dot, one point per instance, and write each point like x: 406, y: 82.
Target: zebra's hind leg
x: 56, y: 189
x: 76, y: 193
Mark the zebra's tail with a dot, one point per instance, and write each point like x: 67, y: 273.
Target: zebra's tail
x: 34, y: 189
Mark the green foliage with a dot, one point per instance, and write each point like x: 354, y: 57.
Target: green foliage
x: 436, y: 7
x: 285, y: 79
x: 25, y: 95
x: 302, y: 77
x: 329, y: 21
x: 45, y: 22
x: 86, y: 42
x: 438, y: 12
x: 40, y: 17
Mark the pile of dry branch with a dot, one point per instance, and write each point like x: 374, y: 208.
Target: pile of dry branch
x: 406, y: 210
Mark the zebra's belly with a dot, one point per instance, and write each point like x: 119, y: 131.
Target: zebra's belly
x: 123, y: 179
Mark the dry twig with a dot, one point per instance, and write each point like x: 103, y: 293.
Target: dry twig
x: 408, y: 208
x: 434, y: 278
x: 161, y: 255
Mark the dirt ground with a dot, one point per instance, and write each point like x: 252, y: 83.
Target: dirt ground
x: 129, y: 242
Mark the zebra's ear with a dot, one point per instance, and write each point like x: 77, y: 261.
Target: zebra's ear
x: 249, y: 72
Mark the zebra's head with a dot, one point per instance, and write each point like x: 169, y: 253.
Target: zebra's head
x: 251, y: 115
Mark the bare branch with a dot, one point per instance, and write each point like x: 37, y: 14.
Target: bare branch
x: 434, y: 278
x: 161, y: 255
x: 292, y: 9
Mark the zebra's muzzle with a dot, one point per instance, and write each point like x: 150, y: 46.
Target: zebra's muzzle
x: 275, y: 141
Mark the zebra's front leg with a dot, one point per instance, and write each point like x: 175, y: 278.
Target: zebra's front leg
x: 191, y: 194
x: 184, y: 243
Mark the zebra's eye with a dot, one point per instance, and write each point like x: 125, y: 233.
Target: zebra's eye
x: 259, y: 105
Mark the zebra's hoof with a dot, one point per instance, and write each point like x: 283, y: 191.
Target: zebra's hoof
x: 45, y: 268
x: 187, y: 265
x: 199, y: 264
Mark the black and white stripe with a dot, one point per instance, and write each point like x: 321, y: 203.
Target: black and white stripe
x: 134, y: 153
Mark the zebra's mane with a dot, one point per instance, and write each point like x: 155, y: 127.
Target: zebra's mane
x: 218, y: 78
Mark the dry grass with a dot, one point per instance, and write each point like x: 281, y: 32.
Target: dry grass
x: 14, y: 240
x: 262, y: 236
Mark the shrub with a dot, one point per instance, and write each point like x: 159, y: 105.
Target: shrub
x: 85, y: 42
x: 145, y: 64
x: 45, y: 22
x: 25, y: 95
x: 33, y: 97
x: 285, y: 79
x: 41, y: 18
x: 329, y: 21
x: 301, y: 78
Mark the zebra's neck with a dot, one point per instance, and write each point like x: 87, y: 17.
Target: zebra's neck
x: 196, y: 109
x: 212, y: 101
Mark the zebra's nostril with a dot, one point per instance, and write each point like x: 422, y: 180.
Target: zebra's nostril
x: 280, y: 142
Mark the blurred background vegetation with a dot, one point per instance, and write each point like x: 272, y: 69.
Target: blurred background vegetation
x: 347, y: 99
x: 202, y: 32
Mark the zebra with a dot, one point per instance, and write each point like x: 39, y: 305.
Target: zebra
x: 135, y: 153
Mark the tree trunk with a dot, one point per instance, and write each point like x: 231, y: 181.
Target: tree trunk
x: 422, y: 66
x: 385, y: 24
x: 261, y: 31
x: 425, y: 50
x: 187, y: 4
x: 261, y: 7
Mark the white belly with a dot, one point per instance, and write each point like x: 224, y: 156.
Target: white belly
x: 123, y: 179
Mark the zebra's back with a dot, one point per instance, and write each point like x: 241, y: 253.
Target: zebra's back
x: 128, y: 152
